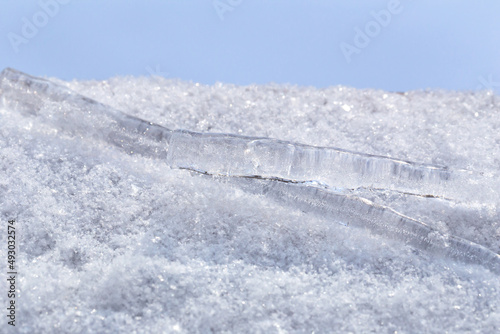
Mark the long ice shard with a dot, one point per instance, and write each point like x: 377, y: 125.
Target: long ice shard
x: 80, y: 116
x: 348, y: 209
x: 237, y: 155
x: 245, y: 156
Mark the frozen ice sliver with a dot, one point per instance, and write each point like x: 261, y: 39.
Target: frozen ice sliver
x: 285, y: 165
x: 235, y: 155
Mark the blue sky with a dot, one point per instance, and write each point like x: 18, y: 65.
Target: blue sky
x: 448, y: 44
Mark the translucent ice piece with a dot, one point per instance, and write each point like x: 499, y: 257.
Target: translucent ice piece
x: 77, y: 115
x: 347, y: 209
x: 238, y: 155
x: 245, y: 156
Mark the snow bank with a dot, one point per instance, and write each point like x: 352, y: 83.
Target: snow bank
x: 115, y: 235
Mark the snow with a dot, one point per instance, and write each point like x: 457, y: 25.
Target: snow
x: 114, y: 237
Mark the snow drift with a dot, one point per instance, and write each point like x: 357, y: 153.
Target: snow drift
x: 163, y: 206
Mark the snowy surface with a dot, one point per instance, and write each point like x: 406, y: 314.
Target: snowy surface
x: 114, y: 242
